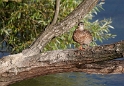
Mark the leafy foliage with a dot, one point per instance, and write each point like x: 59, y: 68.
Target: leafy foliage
x: 21, y: 23
x: 22, y: 19
x: 100, y: 30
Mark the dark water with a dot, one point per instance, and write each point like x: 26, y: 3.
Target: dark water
x: 3, y: 54
x: 114, y: 9
x: 74, y: 79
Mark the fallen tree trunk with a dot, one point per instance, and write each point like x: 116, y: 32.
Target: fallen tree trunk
x: 30, y: 63
x: 22, y: 65
x: 98, y: 59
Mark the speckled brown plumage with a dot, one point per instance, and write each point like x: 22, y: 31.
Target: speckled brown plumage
x: 82, y: 36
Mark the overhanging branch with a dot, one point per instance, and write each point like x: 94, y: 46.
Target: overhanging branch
x: 98, y: 59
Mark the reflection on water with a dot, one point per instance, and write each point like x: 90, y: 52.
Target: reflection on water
x: 74, y: 79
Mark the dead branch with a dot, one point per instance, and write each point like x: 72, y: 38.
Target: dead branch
x: 98, y: 59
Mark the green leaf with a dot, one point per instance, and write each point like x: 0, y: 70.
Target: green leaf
x: 110, y: 26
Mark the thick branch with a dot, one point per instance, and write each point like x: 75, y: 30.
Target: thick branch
x: 106, y: 67
x: 99, y: 59
x: 60, y: 28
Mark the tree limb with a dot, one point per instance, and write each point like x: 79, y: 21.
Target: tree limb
x: 56, y: 12
x: 98, y: 59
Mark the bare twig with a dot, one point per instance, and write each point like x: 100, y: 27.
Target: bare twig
x: 56, y: 11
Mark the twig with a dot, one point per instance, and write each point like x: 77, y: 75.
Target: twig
x: 56, y: 12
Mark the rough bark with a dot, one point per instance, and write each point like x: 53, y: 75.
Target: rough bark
x: 98, y: 59
x: 61, y: 27
x: 30, y: 63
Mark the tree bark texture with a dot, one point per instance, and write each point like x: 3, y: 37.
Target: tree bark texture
x: 59, y: 28
x: 30, y: 63
x: 99, y: 59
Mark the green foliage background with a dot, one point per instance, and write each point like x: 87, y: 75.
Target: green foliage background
x: 21, y: 23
